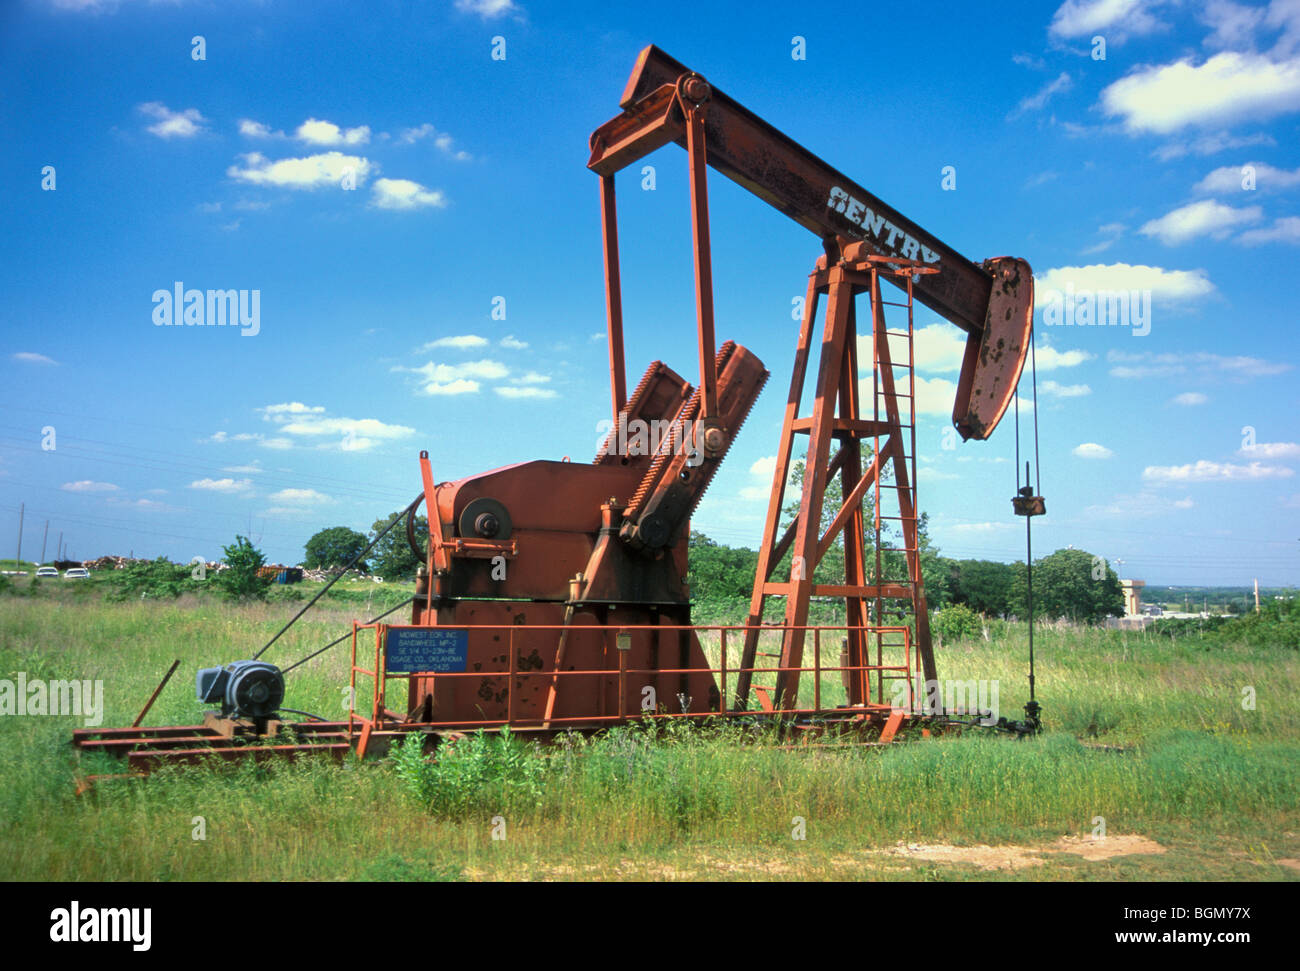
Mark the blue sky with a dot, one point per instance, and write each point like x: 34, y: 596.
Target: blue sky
x: 1169, y: 442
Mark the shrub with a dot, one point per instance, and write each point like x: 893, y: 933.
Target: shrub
x: 958, y: 621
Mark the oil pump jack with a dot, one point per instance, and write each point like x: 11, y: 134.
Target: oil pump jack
x: 554, y: 594
x: 602, y: 547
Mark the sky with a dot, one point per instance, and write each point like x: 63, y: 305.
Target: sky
x: 403, y: 189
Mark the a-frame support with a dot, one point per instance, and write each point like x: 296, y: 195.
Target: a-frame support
x: 841, y: 280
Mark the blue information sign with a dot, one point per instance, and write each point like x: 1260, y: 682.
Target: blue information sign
x: 436, y: 649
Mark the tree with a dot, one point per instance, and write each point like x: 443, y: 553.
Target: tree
x: 240, y: 579
x: 1073, y: 584
x: 984, y: 586
x: 392, y: 557
x: 334, y: 547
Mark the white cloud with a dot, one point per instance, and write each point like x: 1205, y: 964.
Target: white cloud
x: 1036, y: 101
x: 1228, y: 88
x: 1049, y: 358
x: 1055, y: 390
x: 460, y: 342
x: 489, y: 9
x: 1148, y: 365
x: 1116, y: 19
x: 1139, y: 505
x: 525, y: 392
x: 1205, y: 471
x: 88, y: 485
x: 1091, y: 450
x: 1190, y: 398
x: 226, y: 485
x: 253, y: 129
x: 1234, y: 24
x: 304, y: 496
x: 31, y: 357
x: 441, y: 140
x: 934, y: 396
x: 282, y: 412
x: 486, y: 369
x: 1210, y: 144
x: 173, y: 124
x: 532, y: 377
x: 243, y: 469
x: 935, y: 347
x: 367, y: 428
x: 1204, y: 218
x: 310, y: 172
x: 405, y: 194
x: 458, y: 386
x: 1229, y: 178
x: 1271, y: 450
x: 313, y: 131
x: 510, y: 342
x: 1284, y: 230
x: 1170, y: 285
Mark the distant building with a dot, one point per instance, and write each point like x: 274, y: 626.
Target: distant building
x: 1132, y: 597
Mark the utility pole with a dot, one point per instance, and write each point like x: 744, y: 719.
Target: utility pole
x: 44, y: 537
x: 58, y: 550
x: 22, y: 508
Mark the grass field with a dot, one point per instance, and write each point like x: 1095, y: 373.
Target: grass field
x: 1149, y: 735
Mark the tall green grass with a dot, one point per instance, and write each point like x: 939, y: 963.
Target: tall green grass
x: 1147, y: 733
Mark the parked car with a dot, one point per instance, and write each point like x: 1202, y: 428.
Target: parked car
x: 47, y: 571
x: 76, y: 573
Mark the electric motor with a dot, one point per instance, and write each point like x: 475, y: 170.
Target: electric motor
x: 245, y: 689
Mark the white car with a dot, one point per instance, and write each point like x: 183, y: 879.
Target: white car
x: 47, y: 571
x: 76, y: 573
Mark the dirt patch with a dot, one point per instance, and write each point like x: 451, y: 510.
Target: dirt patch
x: 980, y: 856
x: 1290, y: 862
x: 1108, y: 847
x: 1012, y: 857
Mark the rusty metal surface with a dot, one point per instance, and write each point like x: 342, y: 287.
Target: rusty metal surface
x: 784, y: 174
x: 995, y: 358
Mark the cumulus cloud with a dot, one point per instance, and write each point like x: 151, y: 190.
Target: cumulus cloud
x: 1091, y: 450
x: 511, y: 391
x: 300, y: 496
x: 1228, y: 88
x: 1118, y: 19
x: 405, y: 194
x: 311, y: 172
x: 1230, y: 178
x: 1198, y: 219
x: 1284, y: 230
x: 173, y: 124
x: 489, y: 9
x: 1271, y: 450
x: 226, y: 485
x: 1206, y: 471
x: 313, y: 131
x: 460, y: 342
x: 88, y: 485
x: 1169, y: 285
